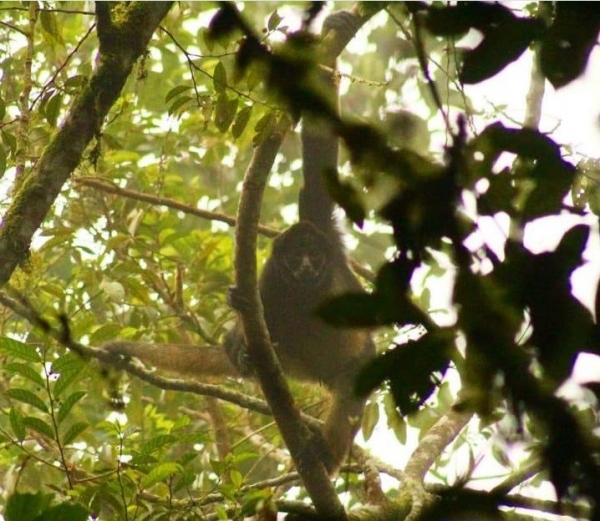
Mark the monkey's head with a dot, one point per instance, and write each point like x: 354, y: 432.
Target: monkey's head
x: 303, y: 253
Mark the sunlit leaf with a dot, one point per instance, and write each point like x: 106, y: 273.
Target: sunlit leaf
x: 39, y: 425
x: 67, y: 405
x: 176, y: 91
x: 74, y: 431
x: 15, y: 349
x: 160, y: 473
x: 25, y: 396
x: 16, y: 424
x: 27, y: 371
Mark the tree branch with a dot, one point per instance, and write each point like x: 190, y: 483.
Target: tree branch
x: 299, y: 440
x: 83, y: 121
x: 434, y: 442
x: 110, y: 188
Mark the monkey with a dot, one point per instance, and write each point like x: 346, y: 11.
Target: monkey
x: 308, y: 264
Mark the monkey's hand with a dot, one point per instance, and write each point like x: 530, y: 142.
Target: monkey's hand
x: 236, y: 301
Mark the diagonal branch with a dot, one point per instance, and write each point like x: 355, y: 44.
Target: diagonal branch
x: 120, y: 46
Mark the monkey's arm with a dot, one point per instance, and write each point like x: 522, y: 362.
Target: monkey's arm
x: 179, y: 359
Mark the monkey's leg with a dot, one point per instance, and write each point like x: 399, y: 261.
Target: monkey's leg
x: 341, y: 426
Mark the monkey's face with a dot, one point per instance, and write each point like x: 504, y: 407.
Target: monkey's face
x: 303, y: 252
x: 305, y: 265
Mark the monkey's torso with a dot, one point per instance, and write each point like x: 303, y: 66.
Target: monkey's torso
x: 305, y: 268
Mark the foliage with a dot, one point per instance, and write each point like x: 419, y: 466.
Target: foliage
x: 138, y: 246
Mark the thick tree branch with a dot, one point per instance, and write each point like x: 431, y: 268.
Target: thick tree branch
x: 298, y: 438
x: 126, y: 42
x: 434, y: 442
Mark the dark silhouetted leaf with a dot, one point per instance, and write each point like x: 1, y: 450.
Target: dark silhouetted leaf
x: 562, y: 326
x: 500, y: 46
x: 65, y: 512
x: 413, y: 370
x: 351, y: 309
x: 569, y: 41
x: 346, y: 196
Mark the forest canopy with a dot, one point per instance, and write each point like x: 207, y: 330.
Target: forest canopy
x: 149, y: 154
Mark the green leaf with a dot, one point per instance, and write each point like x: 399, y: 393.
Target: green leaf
x: 68, y: 404
x: 176, y: 91
x: 52, y: 109
x: 220, y: 78
x: 2, y: 161
x: 241, y: 121
x: 74, y: 430
x: 225, y: 112
x: 264, y: 127
x: 50, y: 25
x: 9, y: 139
x: 181, y: 422
x: 25, y: 396
x: 15, y: 349
x: 157, y: 443
x: 26, y: 507
x: 75, y: 82
x: 68, y: 367
x: 16, y: 423
x: 179, y: 105
x: 370, y: 419
x: 237, y: 480
x: 65, y: 512
x: 394, y: 420
x: 274, y: 21
x: 25, y: 371
x: 105, y: 332
x: 40, y: 426
x: 160, y: 473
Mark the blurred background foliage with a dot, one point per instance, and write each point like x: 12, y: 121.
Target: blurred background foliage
x: 139, y: 246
